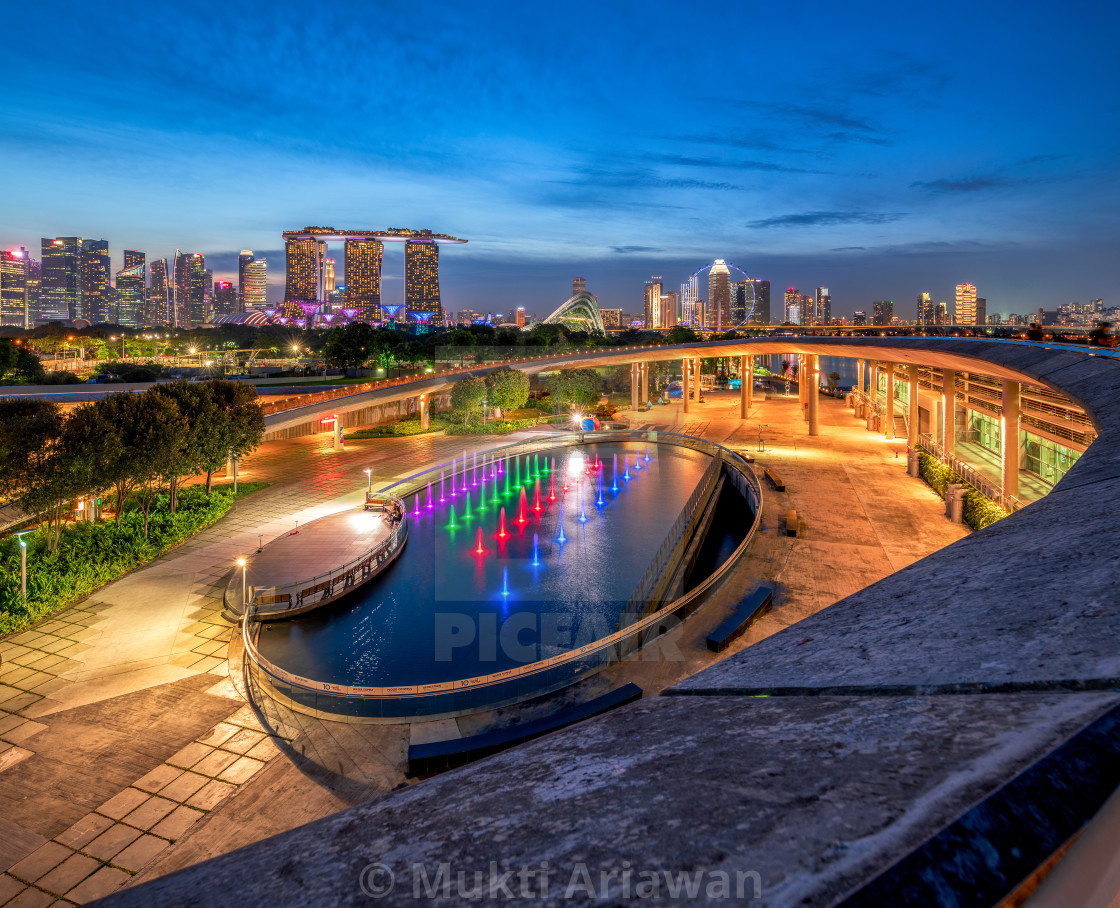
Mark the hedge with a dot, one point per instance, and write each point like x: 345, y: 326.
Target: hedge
x: 978, y: 511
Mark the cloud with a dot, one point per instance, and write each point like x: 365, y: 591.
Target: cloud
x: 630, y: 250
x: 690, y: 161
x: 825, y: 218
x: 1041, y: 159
x: 847, y: 249
x: 978, y: 183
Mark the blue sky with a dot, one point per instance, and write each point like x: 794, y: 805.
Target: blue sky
x: 879, y: 149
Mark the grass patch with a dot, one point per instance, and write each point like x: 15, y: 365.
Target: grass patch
x: 91, y: 555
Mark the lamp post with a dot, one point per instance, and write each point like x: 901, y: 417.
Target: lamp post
x: 244, y: 584
x: 23, y: 568
x: 234, y: 474
x: 369, y: 480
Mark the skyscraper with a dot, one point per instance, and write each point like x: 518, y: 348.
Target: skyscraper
x: 131, y: 296
x: 189, y: 290
x: 362, y: 265
x: 652, y: 302
x: 328, y: 277
x: 926, y: 310
x: 207, y: 295
x: 519, y: 317
x: 132, y: 258
x: 941, y: 314
x: 883, y: 312
x: 159, y: 310
x: 421, y: 279
x: 252, y: 279
x: 690, y: 293
x: 244, y: 259
x: 13, y: 288
x: 668, y: 315
x: 822, y: 306
x: 305, y: 263
x: 96, y: 284
x: 225, y: 298
x: 981, y: 311
x: 793, y: 306
x: 761, y: 314
x: 966, y: 304
x: 579, y: 285
x: 60, y: 288
x: 34, y: 280
x: 719, y: 296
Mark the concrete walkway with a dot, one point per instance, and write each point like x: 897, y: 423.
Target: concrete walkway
x: 148, y: 653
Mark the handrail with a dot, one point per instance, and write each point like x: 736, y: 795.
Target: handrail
x: 346, y: 574
x: 601, y: 649
x: 969, y: 475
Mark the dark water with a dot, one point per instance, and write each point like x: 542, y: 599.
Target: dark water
x: 843, y: 365
x: 439, y: 612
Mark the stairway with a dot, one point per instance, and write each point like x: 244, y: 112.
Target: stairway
x: 900, y: 428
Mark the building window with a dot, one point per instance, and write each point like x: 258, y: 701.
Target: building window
x: 1046, y: 459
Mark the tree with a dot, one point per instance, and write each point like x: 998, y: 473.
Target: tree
x: 833, y: 381
x: 239, y: 428
x: 467, y: 395
x: 92, y: 445
x: 507, y: 388
x: 575, y: 387
x: 154, y: 447
x: 32, y: 465
x: 19, y: 364
x: 349, y: 346
x: 196, y: 404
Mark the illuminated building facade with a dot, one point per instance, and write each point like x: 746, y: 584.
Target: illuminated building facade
x: 719, y: 296
x: 859, y: 318
x: 60, y: 289
x: 966, y: 305
x: 793, y: 306
x: 189, y: 291
x: 520, y: 317
x: 883, y: 312
x: 96, y: 283
x: 157, y: 312
x: 130, y: 297
x: 822, y: 306
x: 363, y: 278
x: 13, y: 288
x: 421, y: 280
x: 252, y: 277
x: 612, y: 319
x: 306, y: 259
x: 328, y: 278
x: 668, y: 316
x: 579, y: 285
x: 761, y: 314
x: 652, y: 305
x: 132, y: 258
x: 225, y: 298
x: 926, y: 310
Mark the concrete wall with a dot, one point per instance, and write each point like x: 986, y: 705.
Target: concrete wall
x: 372, y: 415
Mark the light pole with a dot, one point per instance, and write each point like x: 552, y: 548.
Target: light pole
x: 235, y: 474
x: 369, y: 480
x: 23, y: 568
x: 244, y: 586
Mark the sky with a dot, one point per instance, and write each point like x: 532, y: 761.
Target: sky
x: 878, y: 149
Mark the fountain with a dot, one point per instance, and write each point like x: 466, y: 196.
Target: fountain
x: 522, y: 517
x: 517, y: 471
x: 502, y: 532
x: 551, y: 487
x: 451, y: 522
x: 536, y: 468
x: 637, y: 461
x: 626, y: 472
x: 646, y: 458
x: 582, y: 512
x: 482, y: 493
x: 466, y: 508
x: 537, y: 497
x: 416, y: 506
x: 505, y: 581
x: 429, y: 495
x: 536, y: 562
x: 614, y: 475
x: 480, y: 549
x: 474, y: 470
x: 561, y: 538
x: 505, y: 491
x: 600, y: 501
x: 442, y: 499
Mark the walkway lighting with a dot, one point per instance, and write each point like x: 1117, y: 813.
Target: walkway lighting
x: 244, y: 569
x: 369, y: 480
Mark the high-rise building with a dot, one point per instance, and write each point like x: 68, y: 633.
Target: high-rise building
x: 859, y: 318
x: 225, y: 298
x: 822, y: 306
x: 761, y: 314
x: 612, y: 318
x: 305, y: 264
x: 158, y: 311
x: 981, y: 311
x: 652, y: 302
x: 60, y: 288
x: 130, y: 297
x: 520, y: 317
x: 793, y: 306
x: 96, y: 283
x: 363, y: 278
x: 253, y: 287
x: 189, y: 290
x: 328, y: 277
x: 926, y: 311
x: 34, y: 280
x: 243, y: 260
x: 13, y: 288
x: 690, y: 293
x: 421, y: 280
x: 719, y: 296
x: 941, y: 314
x: 579, y: 285
x: 207, y: 295
x: 132, y: 258
x: 884, y: 312
x: 966, y: 304
x: 668, y: 315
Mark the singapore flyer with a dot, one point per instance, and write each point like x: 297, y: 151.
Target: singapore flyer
x: 731, y: 300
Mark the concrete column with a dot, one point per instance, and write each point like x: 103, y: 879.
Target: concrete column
x: 425, y: 412
x: 888, y: 429
x: 873, y: 380
x: 813, y: 391
x: 744, y: 388
x: 803, y: 385
x: 948, y: 410
x: 643, y: 398
x: 750, y: 381
x: 1009, y: 439
x: 859, y: 375
x: 912, y: 434
x: 696, y: 377
x: 684, y: 385
x: 633, y: 386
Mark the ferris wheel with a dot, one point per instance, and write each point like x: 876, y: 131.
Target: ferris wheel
x: 740, y: 310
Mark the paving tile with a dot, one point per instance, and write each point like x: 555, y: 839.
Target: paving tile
x: 68, y: 874
x: 246, y: 717
x: 107, y: 880
x: 26, y: 657
x: 85, y: 633
x: 212, y: 794
x: 85, y: 830
x: 22, y: 703
x: 219, y: 734
x: 221, y: 670
x: 184, y: 786
x: 14, y: 675
x: 244, y: 741
x: 43, y: 663
x: 206, y: 663
x: 123, y: 803
x: 20, y: 733
x: 140, y: 853
x: 213, y: 764
x: 31, y: 898
x: 43, y: 859
x: 9, y: 888
x: 150, y: 812
x: 113, y: 840
x: 211, y: 648
x: 184, y: 659
x: 177, y: 822
x: 189, y: 755
x: 158, y: 778
x: 8, y: 722
x: 56, y: 645
x: 240, y: 772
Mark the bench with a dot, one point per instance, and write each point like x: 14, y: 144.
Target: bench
x: 436, y: 755
x: 746, y: 613
x: 775, y: 480
x: 792, y: 524
x: 286, y: 598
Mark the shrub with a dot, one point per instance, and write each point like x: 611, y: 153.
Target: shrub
x: 938, y: 476
x: 507, y: 388
x: 979, y: 512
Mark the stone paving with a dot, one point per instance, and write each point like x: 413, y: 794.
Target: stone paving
x: 160, y: 626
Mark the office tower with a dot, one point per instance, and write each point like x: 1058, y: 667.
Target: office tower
x: 34, y: 280
x: 793, y: 306
x: 884, y: 312
x: 189, y: 290
x: 131, y: 306
x: 207, y: 295
x: 668, y: 309
x: 132, y: 258
x: 981, y: 311
x: 243, y: 261
x: 690, y: 293
x: 859, y: 318
x: 612, y: 318
x: 328, y: 277
x: 253, y: 287
x: 761, y: 314
x: 941, y: 314
x: 305, y: 263
x: 225, y: 298
x: 362, y: 265
x: 13, y: 288
x: 520, y: 317
x: 651, y: 309
x: 742, y: 300
x: 822, y: 306
x: 95, y: 276
x: 719, y: 296
x: 336, y: 298
x: 579, y: 285
x: 421, y: 281
x: 158, y: 311
x: 966, y: 304
x: 926, y: 311
x: 60, y: 288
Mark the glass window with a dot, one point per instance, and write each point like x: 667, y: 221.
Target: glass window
x: 1048, y: 460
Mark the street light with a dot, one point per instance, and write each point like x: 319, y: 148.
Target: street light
x: 244, y: 570
x: 22, y: 564
x: 369, y: 480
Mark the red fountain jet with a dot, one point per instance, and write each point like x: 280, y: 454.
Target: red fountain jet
x: 480, y: 550
x: 537, y: 497
x: 522, y: 519
x: 502, y: 534
x: 552, y: 487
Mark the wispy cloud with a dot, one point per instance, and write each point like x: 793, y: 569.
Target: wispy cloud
x: 978, y: 183
x: 680, y: 160
x: 631, y: 250
x: 825, y: 219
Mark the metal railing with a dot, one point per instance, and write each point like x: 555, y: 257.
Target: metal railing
x: 510, y: 685
x: 269, y: 602
x: 969, y: 475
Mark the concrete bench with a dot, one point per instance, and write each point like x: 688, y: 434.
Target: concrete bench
x: 775, y: 480
x: 792, y: 523
x: 746, y: 613
x: 436, y: 755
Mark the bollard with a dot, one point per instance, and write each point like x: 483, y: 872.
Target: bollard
x: 913, y: 462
